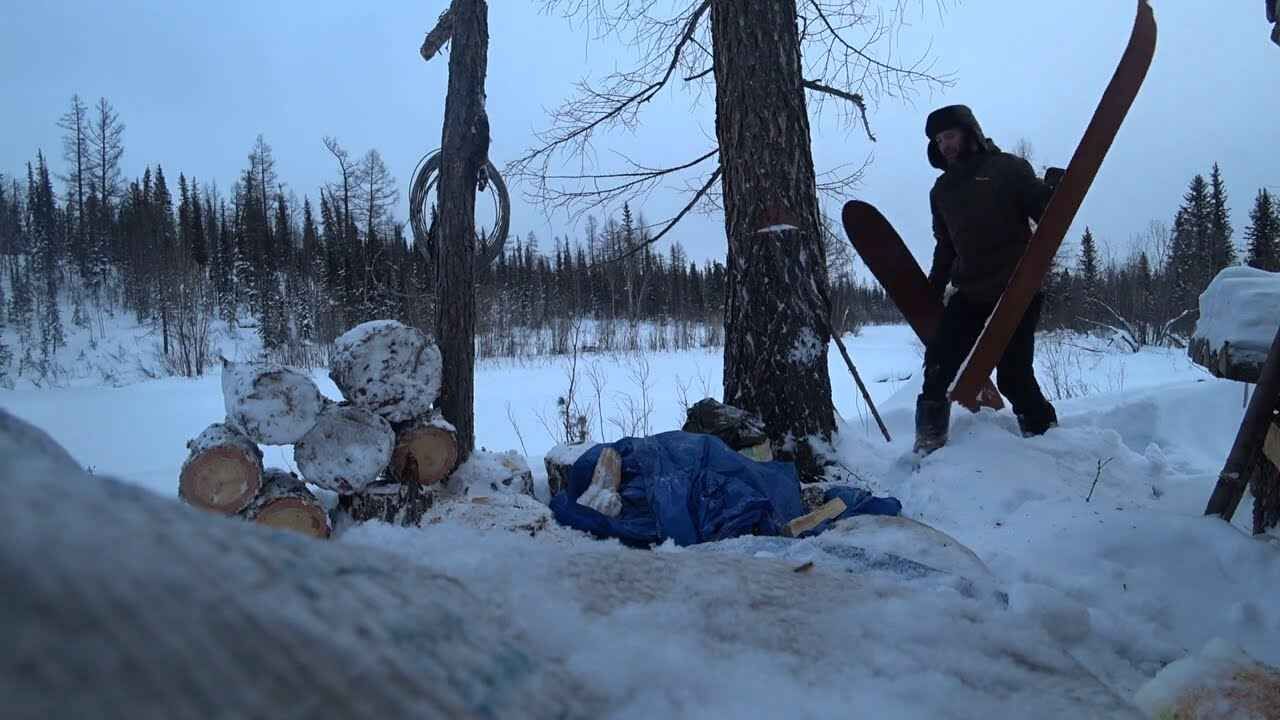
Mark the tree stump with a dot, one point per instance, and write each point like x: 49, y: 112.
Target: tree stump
x: 388, y: 368
x: 425, y: 451
x: 223, y: 473
x: 285, y: 502
x: 272, y: 405
x: 395, y: 503
x: 346, y: 450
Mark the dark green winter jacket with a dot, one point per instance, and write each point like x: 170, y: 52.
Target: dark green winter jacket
x: 982, y: 210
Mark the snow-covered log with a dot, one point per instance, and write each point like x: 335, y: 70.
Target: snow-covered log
x: 389, y: 368
x: 285, y: 502
x: 1239, y: 314
x: 559, y: 461
x: 346, y: 450
x: 120, y: 603
x: 223, y: 472
x: 487, y: 474
x: 271, y: 404
x: 425, y: 452
x: 395, y: 503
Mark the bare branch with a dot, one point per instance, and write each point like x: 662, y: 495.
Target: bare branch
x: 851, y: 97
x: 586, y: 192
x: 439, y: 35
x: 672, y: 222
x: 835, y: 54
x: 847, y: 53
x: 578, y: 119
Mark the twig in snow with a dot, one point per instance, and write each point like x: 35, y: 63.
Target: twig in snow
x: 1098, y: 476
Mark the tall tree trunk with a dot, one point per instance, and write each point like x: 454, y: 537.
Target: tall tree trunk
x: 464, y: 151
x: 777, y: 306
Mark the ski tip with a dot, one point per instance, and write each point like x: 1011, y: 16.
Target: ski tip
x: 855, y: 210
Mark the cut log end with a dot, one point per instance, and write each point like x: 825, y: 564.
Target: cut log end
x: 223, y: 473
x: 298, y: 515
x: 222, y: 479
x: 285, y: 502
x: 424, y: 455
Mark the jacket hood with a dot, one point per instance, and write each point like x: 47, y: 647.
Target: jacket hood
x: 949, y: 117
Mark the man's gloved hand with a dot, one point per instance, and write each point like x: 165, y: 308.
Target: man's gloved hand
x: 1053, y: 176
x: 938, y: 287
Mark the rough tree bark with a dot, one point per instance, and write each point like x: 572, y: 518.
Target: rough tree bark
x: 777, y: 306
x: 464, y: 151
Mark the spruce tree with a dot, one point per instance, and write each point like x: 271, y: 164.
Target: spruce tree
x: 1222, y: 251
x: 1263, y: 233
x: 1087, y: 274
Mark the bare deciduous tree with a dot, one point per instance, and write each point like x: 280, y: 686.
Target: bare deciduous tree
x: 761, y: 56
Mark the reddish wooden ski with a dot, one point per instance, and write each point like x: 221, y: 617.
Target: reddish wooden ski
x: 892, y: 264
x: 1088, y: 157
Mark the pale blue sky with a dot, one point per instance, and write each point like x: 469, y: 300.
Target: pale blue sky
x: 196, y: 82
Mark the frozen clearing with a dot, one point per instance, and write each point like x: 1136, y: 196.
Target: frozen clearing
x: 1101, y: 594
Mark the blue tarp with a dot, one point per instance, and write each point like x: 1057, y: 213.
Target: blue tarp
x: 693, y: 488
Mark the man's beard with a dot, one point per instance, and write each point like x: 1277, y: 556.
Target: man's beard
x: 966, y: 153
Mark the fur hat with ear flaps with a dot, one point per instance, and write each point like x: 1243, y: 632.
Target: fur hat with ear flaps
x: 953, y: 116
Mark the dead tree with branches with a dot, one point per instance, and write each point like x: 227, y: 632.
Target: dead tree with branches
x: 761, y: 56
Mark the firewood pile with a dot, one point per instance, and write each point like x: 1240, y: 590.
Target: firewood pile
x: 383, y: 449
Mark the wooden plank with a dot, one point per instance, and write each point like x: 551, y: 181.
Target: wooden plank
x: 1271, y: 445
x: 805, y: 523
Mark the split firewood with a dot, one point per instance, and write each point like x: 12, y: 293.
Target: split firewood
x: 285, y: 502
x: 602, y: 495
x: 346, y: 450
x: 805, y: 523
x: 432, y: 446
x: 223, y: 472
x: 271, y: 404
x: 388, y: 368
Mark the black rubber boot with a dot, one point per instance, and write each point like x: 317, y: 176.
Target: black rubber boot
x: 933, y: 418
x: 1038, y: 423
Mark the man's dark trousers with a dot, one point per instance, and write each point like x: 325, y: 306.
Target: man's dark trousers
x: 962, y: 322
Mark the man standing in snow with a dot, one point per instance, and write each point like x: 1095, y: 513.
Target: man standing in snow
x: 982, y: 204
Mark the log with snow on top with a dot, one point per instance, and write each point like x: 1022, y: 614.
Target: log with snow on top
x: 1239, y: 314
x: 489, y: 474
x: 559, y: 462
x: 425, y: 451
x: 223, y: 472
x: 346, y: 450
x: 285, y: 502
x: 389, y: 368
x: 271, y: 404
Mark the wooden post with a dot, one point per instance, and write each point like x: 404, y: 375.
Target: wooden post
x: 1234, y: 477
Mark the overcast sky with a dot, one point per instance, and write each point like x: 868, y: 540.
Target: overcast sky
x: 196, y: 82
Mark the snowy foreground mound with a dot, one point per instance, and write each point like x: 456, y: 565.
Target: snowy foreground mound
x: 132, y: 604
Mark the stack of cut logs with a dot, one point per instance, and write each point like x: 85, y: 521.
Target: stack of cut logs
x: 380, y: 449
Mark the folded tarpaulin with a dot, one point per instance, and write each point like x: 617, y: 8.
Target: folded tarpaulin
x: 693, y: 488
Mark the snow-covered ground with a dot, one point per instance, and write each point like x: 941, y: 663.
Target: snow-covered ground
x: 1093, y: 531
